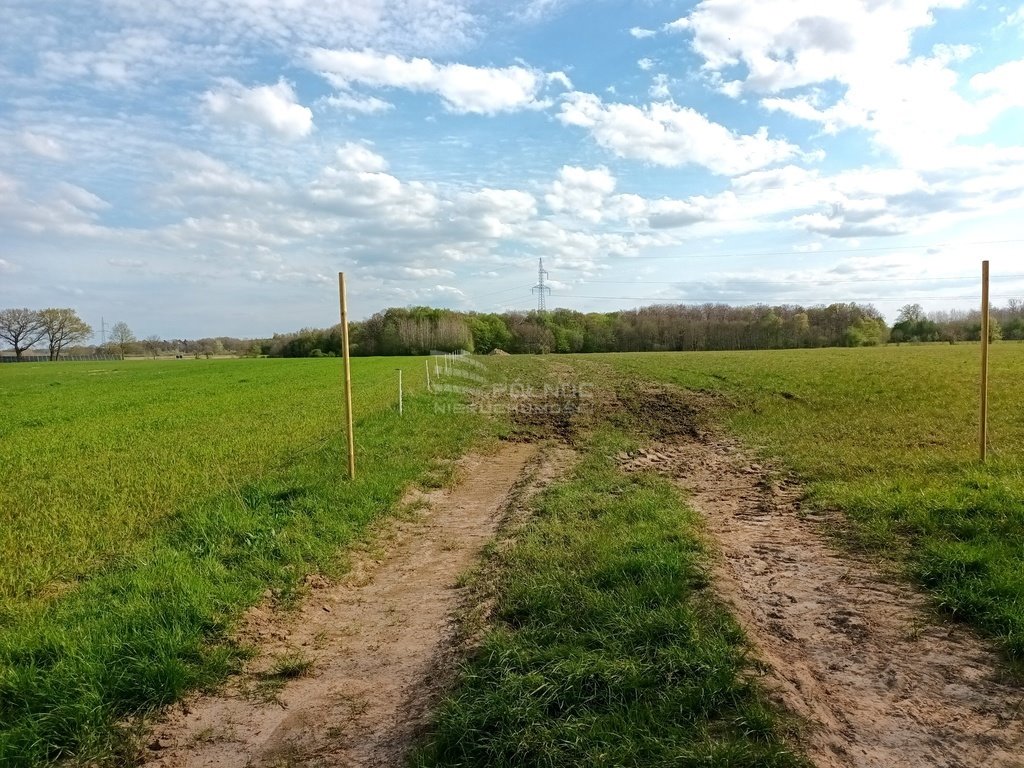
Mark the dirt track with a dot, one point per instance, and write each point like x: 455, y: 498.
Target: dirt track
x: 380, y: 642
x: 880, y: 682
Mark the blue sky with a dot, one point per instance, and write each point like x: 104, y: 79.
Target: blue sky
x: 206, y: 167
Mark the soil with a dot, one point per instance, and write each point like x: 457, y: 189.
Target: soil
x: 348, y: 679
x: 854, y: 652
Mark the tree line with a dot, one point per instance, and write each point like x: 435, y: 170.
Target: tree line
x: 669, y: 327
x: 677, y: 327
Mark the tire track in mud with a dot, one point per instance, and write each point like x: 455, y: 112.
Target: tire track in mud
x: 879, y: 680
x: 383, y: 641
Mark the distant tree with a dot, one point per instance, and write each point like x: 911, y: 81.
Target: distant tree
x: 121, y: 337
x: 63, y: 327
x: 910, y: 313
x: 152, y: 345
x: 21, y: 328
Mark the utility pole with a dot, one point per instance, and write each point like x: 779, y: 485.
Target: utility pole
x: 103, y: 331
x: 540, y: 288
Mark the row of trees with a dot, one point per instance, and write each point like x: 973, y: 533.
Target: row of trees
x: 418, y: 330
x: 914, y: 324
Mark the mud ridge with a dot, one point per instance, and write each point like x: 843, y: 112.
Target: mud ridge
x: 349, y: 679
x: 854, y: 653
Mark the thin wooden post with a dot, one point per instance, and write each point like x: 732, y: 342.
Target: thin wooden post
x: 348, y: 378
x: 983, y: 440
x: 399, y: 391
x: 427, y: 363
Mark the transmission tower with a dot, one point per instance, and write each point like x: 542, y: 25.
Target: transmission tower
x: 540, y: 288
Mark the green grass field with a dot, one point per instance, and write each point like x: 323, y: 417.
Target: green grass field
x: 146, y: 503
x: 889, y: 435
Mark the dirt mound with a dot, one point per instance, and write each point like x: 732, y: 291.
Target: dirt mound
x: 498, y: 352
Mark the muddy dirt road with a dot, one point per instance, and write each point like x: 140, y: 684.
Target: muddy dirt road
x: 856, y: 654
x: 380, y: 642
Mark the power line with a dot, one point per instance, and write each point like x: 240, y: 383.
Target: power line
x: 726, y: 299
x: 809, y: 282
x: 752, y: 254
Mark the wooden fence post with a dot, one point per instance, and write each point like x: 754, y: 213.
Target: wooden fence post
x: 348, y: 378
x: 985, y: 324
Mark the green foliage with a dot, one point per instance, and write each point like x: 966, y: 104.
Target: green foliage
x: 607, y: 650
x: 153, y: 502
x: 889, y: 435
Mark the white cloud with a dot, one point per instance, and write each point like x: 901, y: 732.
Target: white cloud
x: 463, y: 88
x: 81, y: 198
x: 948, y: 54
x: 398, y: 24
x: 645, y: 64
x: 667, y: 134
x: 659, y: 87
x: 359, y: 157
x: 196, y: 173
x: 43, y: 146
x: 912, y: 106
x: 272, y: 107
x: 679, y: 25
x: 350, y: 102
x: 7, y: 267
x: 790, y: 43
x: 1003, y: 84
x: 581, y: 192
x: 1016, y: 18
x: 640, y: 32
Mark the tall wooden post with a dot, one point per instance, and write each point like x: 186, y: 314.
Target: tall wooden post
x: 348, y: 378
x: 984, y: 360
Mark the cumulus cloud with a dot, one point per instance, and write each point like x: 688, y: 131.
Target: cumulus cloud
x: 463, y: 88
x: 640, y: 32
x: 667, y: 134
x: 912, y: 106
x: 273, y: 108
x: 581, y: 192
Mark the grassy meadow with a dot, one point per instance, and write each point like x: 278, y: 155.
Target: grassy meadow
x: 145, y: 504
x: 889, y: 435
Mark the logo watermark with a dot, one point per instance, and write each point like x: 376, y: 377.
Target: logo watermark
x: 461, y: 374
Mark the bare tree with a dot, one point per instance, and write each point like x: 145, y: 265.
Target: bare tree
x: 153, y: 344
x: 121, y: 337
x: 62, y: 327
x: 21, y: 328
